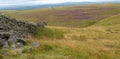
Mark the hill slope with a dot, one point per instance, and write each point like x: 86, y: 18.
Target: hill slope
x: 101, y: 41
x: 72, y: 16
x: 114, y: 20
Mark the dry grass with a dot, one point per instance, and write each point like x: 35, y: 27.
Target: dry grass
x: 79, y: 43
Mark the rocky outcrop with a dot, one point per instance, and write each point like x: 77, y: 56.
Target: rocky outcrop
x: 13, y: 32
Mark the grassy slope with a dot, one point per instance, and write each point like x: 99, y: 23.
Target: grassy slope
x: 79, y: 43
x: 114, y: 20
x: 101, y: 41
x: 94, y: 42
x: 73, y: 16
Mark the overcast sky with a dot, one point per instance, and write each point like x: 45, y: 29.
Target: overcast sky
x: 34, y: 2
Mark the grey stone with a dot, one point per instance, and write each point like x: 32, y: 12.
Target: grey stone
x: 21, y: 40
x: 19, y: 45
x: 6, y: 45
x: 5, y: 35
x: 13, y: 46
x: 12, y: 41
x: 2, y: 41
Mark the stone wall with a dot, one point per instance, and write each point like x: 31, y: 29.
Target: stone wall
x: 13, y: 31
x: 20, y: 27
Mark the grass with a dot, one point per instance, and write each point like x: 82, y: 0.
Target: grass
x: 50, y: 33
x: 78, y: 43
x: 99, y: 41
x: 110, y: 21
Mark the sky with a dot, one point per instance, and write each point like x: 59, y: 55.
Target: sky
x: 38, y: 2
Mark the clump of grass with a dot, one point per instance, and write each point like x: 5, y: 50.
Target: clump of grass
x: 50, y: 33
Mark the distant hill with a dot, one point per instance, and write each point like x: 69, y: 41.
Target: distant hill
x: 26, y: 7
x: 72, y: 16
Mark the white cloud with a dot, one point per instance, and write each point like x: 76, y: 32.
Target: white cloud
x: 34, y: 2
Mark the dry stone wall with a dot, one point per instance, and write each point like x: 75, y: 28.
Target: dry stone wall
x: 13, y: 32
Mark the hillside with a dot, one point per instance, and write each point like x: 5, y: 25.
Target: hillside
x: 98, y: 39
x: 72, y: 16
x: 96, y: 42
x: 114, y: 20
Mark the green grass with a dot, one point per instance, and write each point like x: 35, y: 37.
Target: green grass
x: 77, y: 23
x: 114, y: 20
x: 50, y: 33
